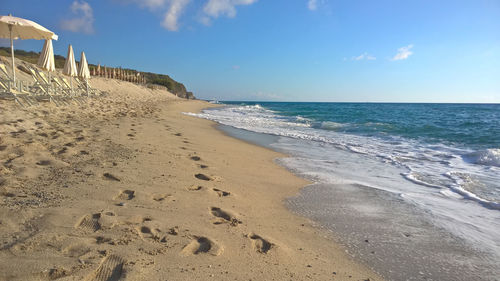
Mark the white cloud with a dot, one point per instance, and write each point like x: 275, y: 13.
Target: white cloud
x: 312, y: 5
x: 364, y: 56
x: 173, y: 9
x: 403, y: 53
x: 217, y: 8
x: 83, y: 20
x: 170, y: 21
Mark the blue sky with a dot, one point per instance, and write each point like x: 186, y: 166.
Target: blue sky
x: 289, y: 50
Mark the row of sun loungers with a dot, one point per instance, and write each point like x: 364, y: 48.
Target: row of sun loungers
x: 45, y: 87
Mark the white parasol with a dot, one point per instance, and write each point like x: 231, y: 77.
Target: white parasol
x: 83, y: 71
x: 18, y: 28
x: 70, y: 65
x: 46, y: 59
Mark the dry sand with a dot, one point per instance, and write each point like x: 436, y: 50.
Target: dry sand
x: 126, y: 187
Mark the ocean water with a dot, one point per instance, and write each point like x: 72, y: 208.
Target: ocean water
x: 443, y: 159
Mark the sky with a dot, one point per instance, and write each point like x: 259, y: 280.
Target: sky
x: 288, y: 50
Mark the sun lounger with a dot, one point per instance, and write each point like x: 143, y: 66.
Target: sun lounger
x: 77, y: 89
x: 42, y: 88
x: 87, y: 88
x: 65, y: 88
x: 13, y: 94
x: 7, y: 90
x: 62, y: 87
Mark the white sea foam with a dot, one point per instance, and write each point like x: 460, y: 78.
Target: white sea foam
x: 487, y: 157
x: 431, y: 176
x: 328, y: 125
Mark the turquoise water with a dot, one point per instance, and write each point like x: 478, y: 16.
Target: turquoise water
x: 475, y: 126
x: 443, y: 159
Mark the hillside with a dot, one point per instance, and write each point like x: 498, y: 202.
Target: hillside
x: 173, y: 86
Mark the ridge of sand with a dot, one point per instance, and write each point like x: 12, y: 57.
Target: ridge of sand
x: 126, y: 187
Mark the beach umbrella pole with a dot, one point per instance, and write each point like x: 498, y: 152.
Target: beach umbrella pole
x: 50, y: 83
x: 12, y: 56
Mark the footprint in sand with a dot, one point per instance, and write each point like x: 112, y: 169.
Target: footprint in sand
x: 110, y: 269
x: 162, y: 197
x: 2, y: 181
x: 69, y: 144
x: 221, y: 193
x: 260, y: 244
x: 194, y: 188
x: 43, y: 163
x: 147, y: 232
x: 203, y: 177
x: 62, y: 150
x: 126, y: 195
x: 109, y: 176
x: 203, y: 166
x: 178, y: 134
x: 226, y: 216
x: 202, y: 245
x: 195, y: 158
x: 90, y: 222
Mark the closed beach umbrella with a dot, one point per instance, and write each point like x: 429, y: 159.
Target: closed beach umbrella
x: 18, y: 28
x: 83, y: 71
x: 99, y: 70
x: 46, y: 59
x: 70, y: 65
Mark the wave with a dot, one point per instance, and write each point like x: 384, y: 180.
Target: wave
x: 425, y: 164
x: 460, y: 180
x: 329, y: 125
x: 459, y: 187
x: 487, y: 157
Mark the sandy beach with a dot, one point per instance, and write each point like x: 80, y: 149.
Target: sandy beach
x: 126, y: 187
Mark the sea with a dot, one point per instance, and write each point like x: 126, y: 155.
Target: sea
x: 425, y: 179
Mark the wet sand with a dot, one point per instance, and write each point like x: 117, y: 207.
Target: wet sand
x: 383, y: 230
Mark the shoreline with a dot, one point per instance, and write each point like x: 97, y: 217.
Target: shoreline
x: 150, y: 193
x: 370, y: 232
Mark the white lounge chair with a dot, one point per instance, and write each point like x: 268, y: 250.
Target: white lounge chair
x: 41, y: 87
x: 7, y: 91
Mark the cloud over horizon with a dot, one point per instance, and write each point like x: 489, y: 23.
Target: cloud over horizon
x: 83, y: 20
x: 403, y: 53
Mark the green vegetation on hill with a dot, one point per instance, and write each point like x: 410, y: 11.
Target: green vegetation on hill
x: 31, y: 57
x: 172, y: 85
x: 153, y: 78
